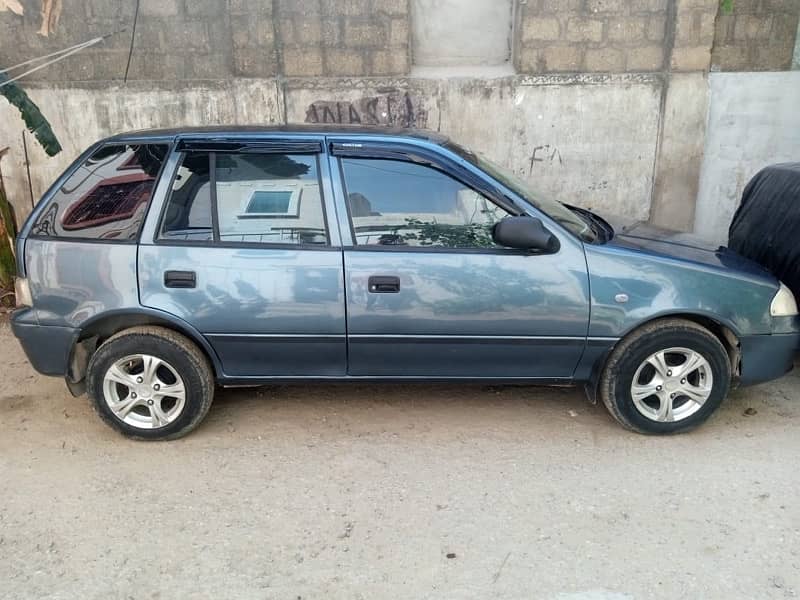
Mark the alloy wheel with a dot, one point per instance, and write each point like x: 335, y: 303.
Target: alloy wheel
x: 144, y: 391
x: 672, y: 384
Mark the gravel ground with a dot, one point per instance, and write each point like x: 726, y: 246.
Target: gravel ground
x: 393, y: 491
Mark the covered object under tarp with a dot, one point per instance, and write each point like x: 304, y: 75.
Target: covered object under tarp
x: 766, y: 226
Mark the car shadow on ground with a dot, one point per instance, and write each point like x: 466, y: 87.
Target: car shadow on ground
x: 359, y: 407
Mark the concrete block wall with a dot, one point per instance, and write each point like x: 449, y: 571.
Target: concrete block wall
x: 22, y: 37
x: 219, y: 39
x: 343, y: 37
x: 614, y: 35
x: 214, y: 39
x: 693, y: 34
x: 603, y: 103
x: 591, y: 35
x: 756, y: 35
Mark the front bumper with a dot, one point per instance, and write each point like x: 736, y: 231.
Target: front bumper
x: 47, y: 347
x: 767, y: 357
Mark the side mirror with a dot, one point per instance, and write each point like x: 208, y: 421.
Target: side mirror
x: 524, y: 233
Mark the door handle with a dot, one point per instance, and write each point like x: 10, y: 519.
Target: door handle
x: 180, y: 279
x: 384, y: 284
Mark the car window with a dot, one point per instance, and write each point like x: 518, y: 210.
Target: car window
x: 397, y: 203
x: 260, y: 198
x: 270, y: 198
x: 554, y: 209
x: 107, y: 197
x: 188, y: 213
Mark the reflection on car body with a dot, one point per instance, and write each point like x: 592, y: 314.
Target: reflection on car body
x: 165, y: 262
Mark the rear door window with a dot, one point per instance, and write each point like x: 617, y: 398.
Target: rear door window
x: 269, y: 198
x: 107, y: 197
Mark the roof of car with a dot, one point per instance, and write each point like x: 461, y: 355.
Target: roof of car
x: 256, y: 130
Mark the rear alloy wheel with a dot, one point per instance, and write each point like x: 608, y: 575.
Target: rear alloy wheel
x: 666, y: 377
x: 144, y: 391
x: 150, y: 383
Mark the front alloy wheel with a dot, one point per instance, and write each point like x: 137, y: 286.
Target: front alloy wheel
x: 667, y: 376
x: 672, y: 384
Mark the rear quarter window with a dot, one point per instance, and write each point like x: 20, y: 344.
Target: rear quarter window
x: 107, y: 197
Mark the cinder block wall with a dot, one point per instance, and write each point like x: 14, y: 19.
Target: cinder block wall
x: 220, y: 39
x: 599, y: 102
x: 593, y: 35
x: 215, y: 39
x: 756, y: 35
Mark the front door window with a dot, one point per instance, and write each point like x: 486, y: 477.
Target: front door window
x: 396, y: 203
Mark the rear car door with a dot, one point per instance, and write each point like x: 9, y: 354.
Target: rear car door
x: 429, y: 294
x: 242, y: 249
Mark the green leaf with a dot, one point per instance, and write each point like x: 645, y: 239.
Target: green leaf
x: 7, y: 236
x: 33, y: 117
x: 727, y: 6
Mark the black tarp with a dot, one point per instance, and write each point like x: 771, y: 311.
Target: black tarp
x: 766, y: 226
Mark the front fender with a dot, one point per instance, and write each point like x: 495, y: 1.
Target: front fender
x: 629, y: 288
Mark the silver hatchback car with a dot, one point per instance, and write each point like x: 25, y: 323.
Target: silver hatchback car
x: 164, y: 262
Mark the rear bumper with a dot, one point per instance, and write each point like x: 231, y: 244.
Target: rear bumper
x: 767, y: 357
x: 47, y: 347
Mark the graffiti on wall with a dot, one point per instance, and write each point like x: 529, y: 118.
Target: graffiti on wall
x: 545, y: 153
x: 396, y: 109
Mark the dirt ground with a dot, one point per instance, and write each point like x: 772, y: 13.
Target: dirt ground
x: 395, y: 492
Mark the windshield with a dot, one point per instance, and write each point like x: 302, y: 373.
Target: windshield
x: 552, y: 208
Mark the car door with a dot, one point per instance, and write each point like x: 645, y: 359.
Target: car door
x: 242, y: 250
x: 429, y: 294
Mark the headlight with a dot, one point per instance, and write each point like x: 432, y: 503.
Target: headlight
x: 783, y: 304
x: 22, y: 292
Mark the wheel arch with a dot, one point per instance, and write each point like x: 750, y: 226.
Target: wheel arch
x: 100, y: 327
x: 722, y: 330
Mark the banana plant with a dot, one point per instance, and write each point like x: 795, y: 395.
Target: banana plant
x: 7, y: 262
x: 40, y: 128
x: 33, y: 117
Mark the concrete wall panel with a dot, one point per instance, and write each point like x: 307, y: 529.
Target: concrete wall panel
x: 81, y: 116
x: 452, y: 32
x: 753, y: 122
x: 587, y: 140
x: 590, y: 143
x: 681, y: 151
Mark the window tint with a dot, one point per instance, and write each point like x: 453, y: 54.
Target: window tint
x: 269, y: 198
x: 107, y: 196
x: 260, y: 198
x: 395, y: 203
x: 188, y: 214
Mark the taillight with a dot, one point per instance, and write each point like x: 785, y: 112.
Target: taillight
x: 22, y: 291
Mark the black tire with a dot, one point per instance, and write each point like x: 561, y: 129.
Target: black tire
x: 181, y: 354
x: 633, y: 350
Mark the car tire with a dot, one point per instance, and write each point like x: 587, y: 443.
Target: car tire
x: 666, y: 377
x: 150, y: 383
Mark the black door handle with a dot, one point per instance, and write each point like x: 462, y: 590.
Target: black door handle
x: 384, y: 284
x: 180, y: 279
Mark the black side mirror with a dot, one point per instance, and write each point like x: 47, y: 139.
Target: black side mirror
x: 524, y: 233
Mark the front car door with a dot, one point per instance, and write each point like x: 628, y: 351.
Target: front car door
x: 428, y: 292
x: 242, y: 249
